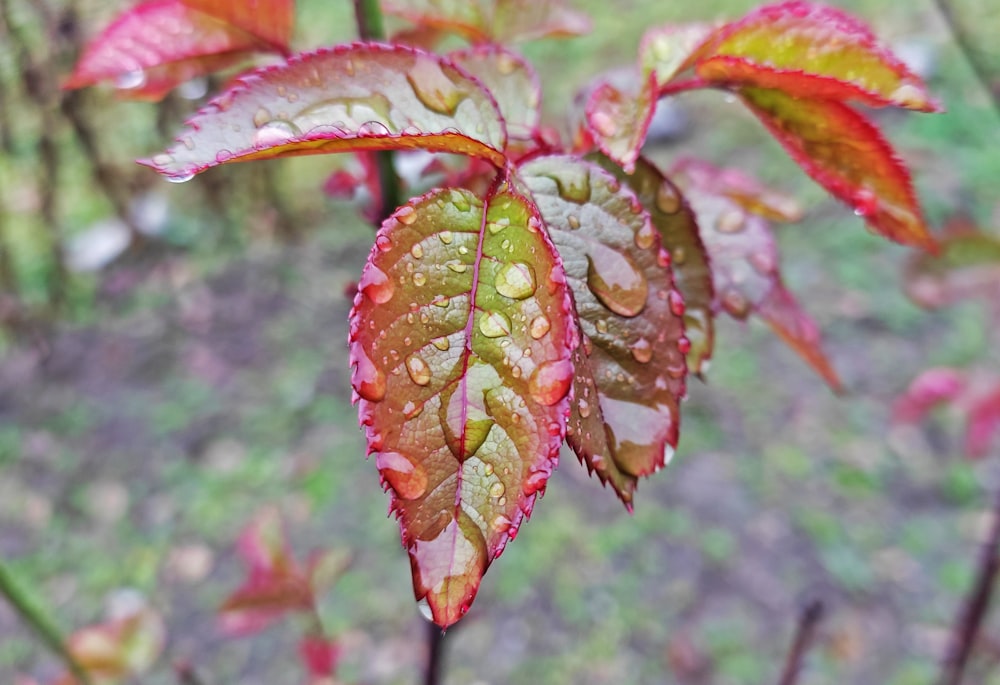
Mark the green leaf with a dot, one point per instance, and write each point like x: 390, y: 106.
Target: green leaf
x: 630, y: 369
x: 461, y: 342
x: 847, y: 155
x: 354, y: 97
x: 678, y: 227
x: 511, y: 80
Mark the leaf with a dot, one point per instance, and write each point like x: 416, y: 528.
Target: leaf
x: 809, y: 51
x: 665, y: 50
x: 931, y: 388
x: 983, y: 424
x: 968, y: 266
x: 618, y: 119
x: 678, y: 227
x: 744, y: 263
x: 123, y: 647
x: 630, y: 369
x: 494, y: 21
x: 846, y: 154
x: 511, y: 80
x: 461, y: 336
x: 159, y: 44
x: 352, y: 97
x: 320, y: 656
x: 742, y: 189
x: 275, y: 583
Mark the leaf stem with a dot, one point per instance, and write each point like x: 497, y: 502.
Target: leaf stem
x: 29, y: 611
x: 435, y: 654
x: 973, y: 611
x: 964, y: 43
x: 810, y: 617
x: 368, y: 16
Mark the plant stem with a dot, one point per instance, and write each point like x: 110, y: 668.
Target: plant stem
x: 804, y: 633
x: 35, y: 617
x: 435, y: 654
x: 368, y: 16
x: 964, y: 44
x: 970, y: 617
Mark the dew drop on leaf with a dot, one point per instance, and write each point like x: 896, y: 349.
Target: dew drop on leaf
x: 573, y: 221
x: 275, y: 132
x: 539, y: 326
x: 367, y: 380
x: 433, y: 88
x: 419, y: 279
x: 678, y: 256
x: 406, y: 477
x: 457, y: 266
x: 406, y: 215
x: 645, y: 237
x: 731, y: 221
x: 441, y: 343
x: 420, y: 372
x: 550, y: 381
x: 417, y: 251
x: 573, y: 184
x: 583, y: 407
x: 497, y: 490
x: 515, y: 280
x: 494, y: 324
x: 445, y: 237
x: 534, y: 482
x: 641, y: 350
x: 736, y: 303
x: 179, y: 178
x: 261, y: 117
x: 617, y: 282
x: 676, y: 303
x: 383, y: 243
x: 667, y: 200
x: 375, y: 285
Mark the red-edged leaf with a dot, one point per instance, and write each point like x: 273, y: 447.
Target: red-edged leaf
x: 685, y: 252
x: 123, y: 647
x: 159, y: 44
x: 968, y: 266
x: 928, y: 390
x: 744, y: 262
x: 630, y: 369
x: 320, y: 656
x: 352, y: 97
x: 742, y: 189
x: 461, y: 337
x: 493, y: 21
x: 618, y: 119
x: 846, y: 154
x: 511, y: 80
x: 665, y: 50
x: 275, y: 583
x: 809, y: 51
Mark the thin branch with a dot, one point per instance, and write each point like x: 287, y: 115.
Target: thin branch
x: 186, y: 675
x: 33, y: 615
x: 804, y: 634
x: 973, y: 611
x: 435, y: 654
x: 964, y: 43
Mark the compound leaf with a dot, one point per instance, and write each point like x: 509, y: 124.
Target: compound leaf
x: 364, y: 96
x: 511, y: 80
x: 157, y: 45
x: 847, y: 155
x: 630, y: 368
x: 461, y: 343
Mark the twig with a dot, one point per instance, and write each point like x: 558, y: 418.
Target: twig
x: 368, y: 16
x: 964, y: 44
x: 435, y: 654
x: 186, y: 675
x: 39, y: 622
x: 804, y: 633
x: 970, y: 617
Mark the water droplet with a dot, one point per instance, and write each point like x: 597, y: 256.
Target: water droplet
x: 616, y: 281
x: 179, y: 178
x: 366, y: 378
x: 678, y: 256
x: 676, y: 303
x: 506, y: 63
x: 730, y: 221
x: 456, y: 266
x: 663, y: 258
x: 494, y: 324
x: 645, y: 237
x: 539, y: 326
x: 865, y: 203
x: 501, y: 523
x: 417, y: 251
x: 602, y: 326
x: 550, y: 381
x: 419, y: 279
x: 383, y: 243
x: 515, y: 280
x: 683, y: 345
x: 275, y: 132
x: 603, y: 124
x: 423, y: 606
x: 736, y: 303
x: 909, y: 96
x: 505, y: 245
x: 405, y: 476
x: 261, y: 117
x: 763, y: 262
x: 573, y: 183
x: 573, y: 221
x: 433, y: 88
x: 641, y: 350
x: 445, y: 237
x: 488, y: 469
x: 441, y: 343
x: 583, y: 407
x: 419, y: 372
x: 498, y: 225
x: 497, y: 490
x: 667, y: 199
x: 535, y: 481
x: 406, y: 215
x: 131, y: 80
x: 375, y: 285
x: 163, y: 159
x: 459, y: 199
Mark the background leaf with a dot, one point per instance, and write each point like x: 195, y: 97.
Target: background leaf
x: 461, y: 338
x: 968, y: 266
x: 511, y: 80
x: 355, y: 97
x: 630, y: 369
x: 618, y: 119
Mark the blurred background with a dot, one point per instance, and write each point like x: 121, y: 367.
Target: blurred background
x: 173, y: 357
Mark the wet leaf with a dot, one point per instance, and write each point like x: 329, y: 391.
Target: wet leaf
x: 494, y: 21
x: 745, y: 272
x: 665, y: 50
x: 630, y: 368
x: 461, y: 337
x: 742, y: 189
x: 618, y: 119
x: 846, y: 154
x: 511, y: 80
x: 355, y: 97
x: 968, y: 266
x: 685, y: 252
x: 157, y: 45
x: 809, y: 51
x: 123, y: 647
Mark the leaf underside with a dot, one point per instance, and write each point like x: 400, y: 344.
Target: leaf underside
x: 630, y: 369
x: 365, y: 96
x: 461, y: 342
